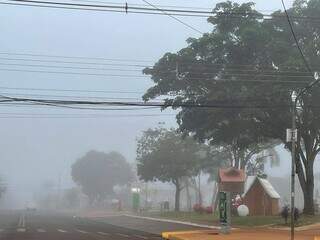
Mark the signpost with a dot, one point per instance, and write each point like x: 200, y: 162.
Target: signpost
x: 135, y: 199
x: 224, y: 212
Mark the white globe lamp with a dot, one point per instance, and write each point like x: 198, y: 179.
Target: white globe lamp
x: 243, y: 211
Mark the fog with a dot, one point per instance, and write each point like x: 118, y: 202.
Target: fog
x: 36, y: 150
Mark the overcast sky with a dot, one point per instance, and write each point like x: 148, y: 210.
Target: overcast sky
x: 35, y: 150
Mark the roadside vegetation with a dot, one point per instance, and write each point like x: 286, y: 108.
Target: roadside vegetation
x: 249, y: 221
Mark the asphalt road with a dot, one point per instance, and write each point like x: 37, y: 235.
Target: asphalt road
x: 23, y: 225
x: 145, y: 225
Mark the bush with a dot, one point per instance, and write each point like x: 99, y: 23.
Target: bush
x: 296, y: 214
x: 200, y: 209
x: 209, y: 210
x: 285, y: 213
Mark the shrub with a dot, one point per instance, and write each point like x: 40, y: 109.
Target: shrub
x: 285, y: 213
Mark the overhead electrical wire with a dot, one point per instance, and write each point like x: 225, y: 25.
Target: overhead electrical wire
x: 209, y: 9
x: 225, y: 72
x: 146, y: 10
x: 133, y: 61
x: 74, y: 57
x: 73, y: 62
x: 220, y: 80
x: 173, y: 17
x: 74, y: 103
x: 70, y: 90
x: 11, y: 115
x: 296, y: 40
x: 32, y: 103
x: 70, y: 96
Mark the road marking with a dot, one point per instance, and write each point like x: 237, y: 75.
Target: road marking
x: 23, y: 221
x: 21, y: 229
x: 80, y: 231
x: 122, y: 235
x: 103, y: 233
x: 139, y: 236
x: 41, y: 230
x: 61, y: 230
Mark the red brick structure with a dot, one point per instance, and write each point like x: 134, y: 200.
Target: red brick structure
x: 260, y: 197
x: 231, y: 180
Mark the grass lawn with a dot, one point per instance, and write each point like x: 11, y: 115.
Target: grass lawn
x: 250, y: 221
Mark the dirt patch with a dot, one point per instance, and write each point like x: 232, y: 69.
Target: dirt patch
x: 245, y: 235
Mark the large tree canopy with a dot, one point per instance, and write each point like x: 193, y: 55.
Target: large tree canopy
x: 97, y: 173
x: 249, y: 68
x: 166, y: 156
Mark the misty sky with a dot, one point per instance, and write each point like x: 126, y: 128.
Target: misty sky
x: 35, y: 150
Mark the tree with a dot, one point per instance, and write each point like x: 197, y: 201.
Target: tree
x: 250, y: 69
x: 3, y: 187
x: 71, y: 198
x: 166, y: 156
x: 97, y: 173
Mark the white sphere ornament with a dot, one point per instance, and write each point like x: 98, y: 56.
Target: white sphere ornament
x: 243, y: 211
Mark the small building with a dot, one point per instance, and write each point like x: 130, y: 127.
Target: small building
x: 260, y: 197
x: 231, y: 180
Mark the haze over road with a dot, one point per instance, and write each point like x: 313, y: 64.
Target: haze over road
x: 16, y: 225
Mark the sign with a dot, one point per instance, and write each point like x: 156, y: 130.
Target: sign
x: 135, y: 201
x: 223, y: 208
x: 292, y: 135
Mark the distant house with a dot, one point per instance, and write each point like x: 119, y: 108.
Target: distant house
x: 260, y: 197
x: 231, y: 180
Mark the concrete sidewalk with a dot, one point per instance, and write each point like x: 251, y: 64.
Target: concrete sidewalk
x: 151, y: 225
x: 173, y: 221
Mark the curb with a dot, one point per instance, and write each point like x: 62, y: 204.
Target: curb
x: 172, y: 221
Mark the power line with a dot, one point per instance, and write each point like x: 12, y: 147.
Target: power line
x: 173, y: 17
x: 32, y: 103
x: 70, y: 96
x: 208, y: 9
x: 73, y: 73
x: 94, y: 9
x: 70, y: 67
x: 72, y: 103
x: 70, y: 90
x: 204, y: 78
x: 296, y: 39
x: 181, y: 63
x: 144, y: 10
x: 79, y: 116
x: 74, y: 57
x: 224, y: 72
x: 159, y: 6
x: 73, y: 62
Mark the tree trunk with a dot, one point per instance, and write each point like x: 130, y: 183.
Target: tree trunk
x: 189, y: 204
x: 306, y: 179
x: 309, y: 190
x: 308, y: 199
x: 177, y: 196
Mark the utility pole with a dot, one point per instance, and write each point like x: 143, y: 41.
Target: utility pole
x: 294, y: 134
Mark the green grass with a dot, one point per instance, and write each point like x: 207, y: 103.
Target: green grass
x: 250, y: 221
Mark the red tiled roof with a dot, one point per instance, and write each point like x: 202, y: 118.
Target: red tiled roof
x: 231, y: 175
